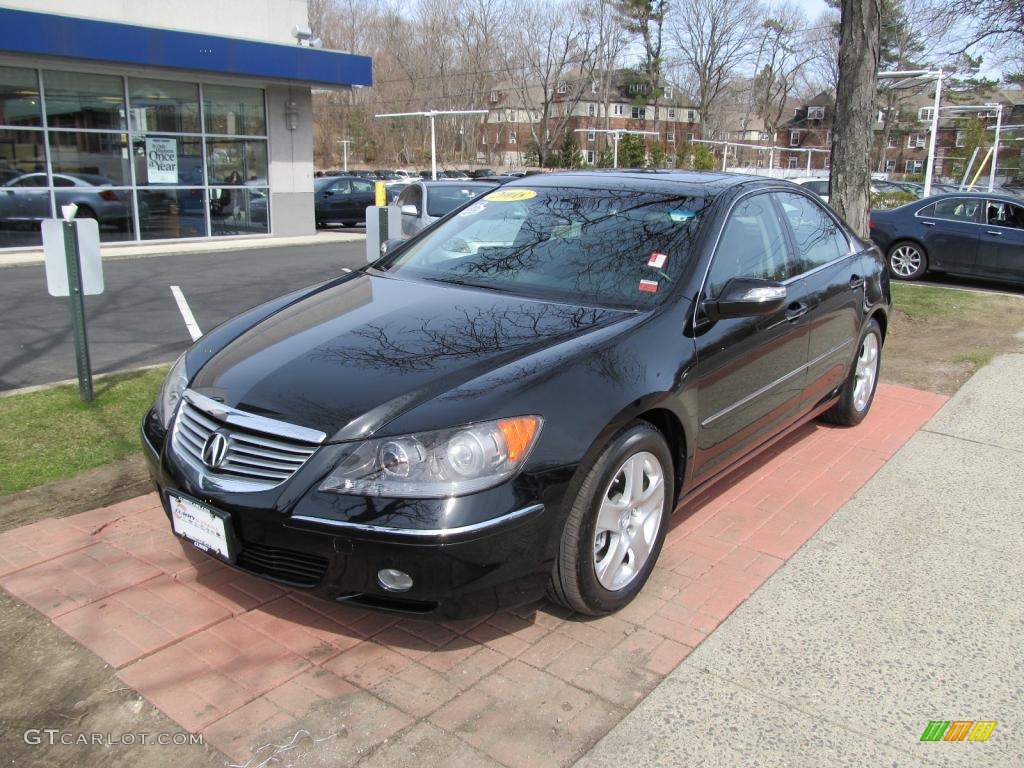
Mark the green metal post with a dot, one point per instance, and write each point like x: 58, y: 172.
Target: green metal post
x: 77, y: 305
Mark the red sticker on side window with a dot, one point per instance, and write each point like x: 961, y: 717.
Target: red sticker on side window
x: 649, y: 286
x: 657, y: 260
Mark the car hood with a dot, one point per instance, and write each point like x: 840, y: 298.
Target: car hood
x: 351, y: 357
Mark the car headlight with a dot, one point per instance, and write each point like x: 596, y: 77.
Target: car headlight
x: 171, y: 391
x: 435, y: 465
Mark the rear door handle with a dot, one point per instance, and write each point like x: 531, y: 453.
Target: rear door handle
x: 928, y: 223
x: 996, y: 233
x: 795, y: 311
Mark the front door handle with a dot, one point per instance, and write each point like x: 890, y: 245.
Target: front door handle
x: 795, y: 311
x: 995, y: 232
x: 856, y: 282
x: 928, y: 223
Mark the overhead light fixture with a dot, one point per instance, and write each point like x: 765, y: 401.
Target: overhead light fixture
x: 302, y: 32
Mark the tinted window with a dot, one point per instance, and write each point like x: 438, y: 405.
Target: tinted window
x: 341, y: 187
x: 35, y: 180
x: 590, y: 246
x: 819, y: 239
x: 957, y: 208
x: 442, y: 200
x: 1005, y: 214
x: 363, y: 187
x: 817, y: 187
x: 752, y: 245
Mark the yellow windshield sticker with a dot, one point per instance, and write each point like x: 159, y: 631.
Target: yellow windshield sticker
x: 510, y: 195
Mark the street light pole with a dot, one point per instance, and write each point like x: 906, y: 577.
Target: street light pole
x: 433, y: 135
x: 995, y: 148
x: 344, y: 146
x: 616, y: 134
x: 930, y: 169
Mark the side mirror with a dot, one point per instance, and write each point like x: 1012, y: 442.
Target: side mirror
x: 389, y: 245
x: 746, y: 297
x: 410, y: 210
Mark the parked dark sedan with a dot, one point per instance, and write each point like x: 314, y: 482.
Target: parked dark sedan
x: 975, y: 234
x: 516, y: 399
x: 341, y: 199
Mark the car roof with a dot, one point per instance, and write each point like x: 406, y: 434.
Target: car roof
x: 689, y: 183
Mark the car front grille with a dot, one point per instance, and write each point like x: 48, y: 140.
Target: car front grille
x: 256, y: 453
x: 297, y: 568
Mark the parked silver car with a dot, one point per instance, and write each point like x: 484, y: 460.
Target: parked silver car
x: 423, y: 202
x: 25, y: 199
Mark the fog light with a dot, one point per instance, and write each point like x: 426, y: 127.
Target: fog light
x: 394, y: 580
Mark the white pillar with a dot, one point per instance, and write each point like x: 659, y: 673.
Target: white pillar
x: 995, y: 148
x: 433, y: 150
x: 929, y: 170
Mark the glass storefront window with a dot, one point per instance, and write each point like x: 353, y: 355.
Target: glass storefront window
x: 79, y: 100
x: 236, y: 161
x: 21, y: 210
x: 163, y: 106
x: 171, y: 160
x: 234, y: 111
x: 172, y: 213
x: 239, y: 211
x: 19, y: 97
x: 97, y: 154
x: 21, y: 152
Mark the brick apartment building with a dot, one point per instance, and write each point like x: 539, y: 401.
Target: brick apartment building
x: 905, y: 149
x: 615, y: 101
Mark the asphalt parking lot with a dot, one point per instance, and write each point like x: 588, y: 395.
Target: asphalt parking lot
x: 136, y: 321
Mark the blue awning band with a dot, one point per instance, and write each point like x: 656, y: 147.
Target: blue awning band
x: 47, y: 34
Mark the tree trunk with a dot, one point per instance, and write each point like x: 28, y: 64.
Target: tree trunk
x: 855, y: 110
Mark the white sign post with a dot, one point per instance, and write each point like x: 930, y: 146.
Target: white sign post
x: 162, y: 160
x: 74, y: 269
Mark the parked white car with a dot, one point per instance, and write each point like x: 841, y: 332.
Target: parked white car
x: 423, y: 202
x: 815, y: 184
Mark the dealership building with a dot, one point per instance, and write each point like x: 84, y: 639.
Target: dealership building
x: 162, y: 120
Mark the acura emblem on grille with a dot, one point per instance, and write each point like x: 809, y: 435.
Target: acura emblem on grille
x: 215, y: 450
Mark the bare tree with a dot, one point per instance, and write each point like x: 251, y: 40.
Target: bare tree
x: 713, y: 41
x: 779, y: 65
x: 552, y: 64
x: 859, y: 49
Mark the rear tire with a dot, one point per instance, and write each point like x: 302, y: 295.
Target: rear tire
x: 616, y: 524
x: 907, y: 261
x: 858, y: 390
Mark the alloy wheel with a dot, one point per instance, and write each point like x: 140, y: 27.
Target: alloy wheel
x: 628, y: 520
x: 905, y: 261
x: 866, y: 372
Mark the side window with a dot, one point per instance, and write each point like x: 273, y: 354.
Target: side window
x: 62, y: 181
x: 35, y: 180
x: 412, y: 195
x: 752, y: 245
x: 363, y: 187
x: 1005, y: 214
x: 819, y: 239
x: 341, y: 187
x: 956, y: 208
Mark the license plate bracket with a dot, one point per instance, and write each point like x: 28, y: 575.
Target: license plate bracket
x: 206, y: 528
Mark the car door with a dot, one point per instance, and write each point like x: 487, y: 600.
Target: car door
x: 1001, y: 246
x: 750, y: 372
x: 830, y: 273
x: 28, y: 199
x: 334, y: 200
x: 950, y: 232
x: 411, y: 196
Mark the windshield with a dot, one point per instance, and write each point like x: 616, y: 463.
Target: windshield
x: 590, y: 246
x: 443, y: 199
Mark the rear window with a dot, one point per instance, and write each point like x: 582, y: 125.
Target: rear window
x: 442, y: 200
x: 587, y: 246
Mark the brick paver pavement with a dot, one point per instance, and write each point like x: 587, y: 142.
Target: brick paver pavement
x: 236, y: 657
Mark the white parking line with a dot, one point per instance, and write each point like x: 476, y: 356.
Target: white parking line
x: 186, y: 313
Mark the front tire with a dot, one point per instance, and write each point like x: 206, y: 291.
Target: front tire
x: 617, y: 524
x: 858, y: 390
x: 907, y: 261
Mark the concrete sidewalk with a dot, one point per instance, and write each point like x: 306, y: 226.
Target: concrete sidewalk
x: 904, y: 608
x: 136, y: 250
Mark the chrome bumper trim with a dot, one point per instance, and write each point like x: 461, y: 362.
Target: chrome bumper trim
x: 439, y: 533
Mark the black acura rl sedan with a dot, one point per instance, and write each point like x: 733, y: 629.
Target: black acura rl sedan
x: 516, y: 399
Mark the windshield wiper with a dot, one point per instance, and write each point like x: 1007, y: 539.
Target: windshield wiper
x: 467, y: 284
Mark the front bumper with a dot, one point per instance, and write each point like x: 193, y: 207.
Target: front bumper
x: 334, y: 546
